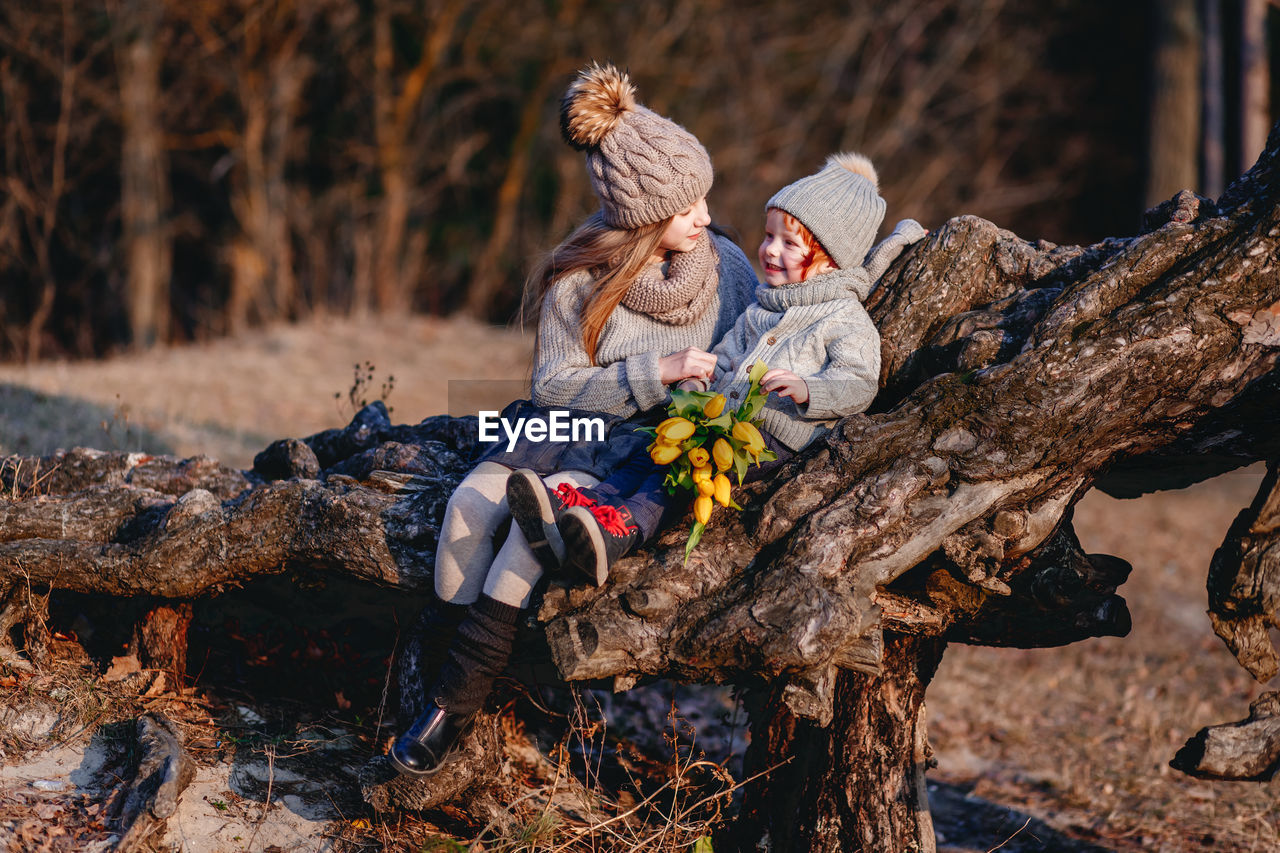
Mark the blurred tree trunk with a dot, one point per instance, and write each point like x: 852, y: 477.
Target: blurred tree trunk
x: 1213, y: 142
x: 272, y: 76
x: 1174, y: 134
x: 1255, y: 80
x: 394, y: 118
x: 40, y: 182
x: 144, y: 174
x: 487, y: 278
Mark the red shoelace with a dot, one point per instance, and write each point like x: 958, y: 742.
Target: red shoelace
x: 613, y: 521
x: 570, y: 496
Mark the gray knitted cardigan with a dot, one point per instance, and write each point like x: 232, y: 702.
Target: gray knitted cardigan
x: 819, y: 330
x: 625, y: 378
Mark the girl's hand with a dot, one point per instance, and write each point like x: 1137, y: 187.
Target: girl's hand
x: 689, y: 363
x: 784, y: 383
x: 692, y: 385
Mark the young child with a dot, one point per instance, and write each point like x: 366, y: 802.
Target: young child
x: 807, y: 323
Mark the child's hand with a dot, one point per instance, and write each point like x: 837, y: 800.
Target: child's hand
x: 692, y: 385
x: 784, y: 383
x: 688, y: 363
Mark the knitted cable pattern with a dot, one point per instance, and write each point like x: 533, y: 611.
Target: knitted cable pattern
x: 684, y: 293
x: 643, y: 167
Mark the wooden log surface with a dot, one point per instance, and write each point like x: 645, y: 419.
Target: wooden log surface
x: 151, y: 797
x: 1244, y: 581
x: 1248, y: 750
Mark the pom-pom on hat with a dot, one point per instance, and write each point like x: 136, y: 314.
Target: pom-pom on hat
x: 645, y: 168
x: 840, y: 205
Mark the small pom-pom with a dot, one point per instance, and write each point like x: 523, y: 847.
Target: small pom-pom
x: 857, y: 164
x: 594, y: 103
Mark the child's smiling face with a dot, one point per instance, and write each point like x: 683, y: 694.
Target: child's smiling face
x: 784, y: 253
x: 684, y: 229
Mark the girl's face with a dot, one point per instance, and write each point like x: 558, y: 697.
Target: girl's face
x: 686, y: 227
x: 783, y: 253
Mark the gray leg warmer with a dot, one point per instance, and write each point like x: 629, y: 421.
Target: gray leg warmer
x: 465, y: 551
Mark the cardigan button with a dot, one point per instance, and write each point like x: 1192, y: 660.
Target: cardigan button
x: 772, y: 340
x: 733, y: 394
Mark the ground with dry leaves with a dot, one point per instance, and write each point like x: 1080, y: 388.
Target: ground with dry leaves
x: 1054, y: 749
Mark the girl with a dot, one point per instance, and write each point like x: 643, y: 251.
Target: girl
x: 630, y: 303
x: 807, y: 323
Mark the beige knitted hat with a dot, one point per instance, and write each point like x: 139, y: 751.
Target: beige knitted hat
x: 645, y: 168
x: 840, y: 205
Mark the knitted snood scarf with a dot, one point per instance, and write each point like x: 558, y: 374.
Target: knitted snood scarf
x: 684, y: 293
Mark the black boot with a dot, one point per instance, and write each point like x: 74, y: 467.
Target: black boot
x: 422, y: 749
x: 595, y: 537
x: 478, y: 655
x: 537, y: 510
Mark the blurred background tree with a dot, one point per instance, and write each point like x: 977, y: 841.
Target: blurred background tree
x: 175, y: 171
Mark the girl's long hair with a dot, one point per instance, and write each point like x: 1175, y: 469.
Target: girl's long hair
x: 613, y: 256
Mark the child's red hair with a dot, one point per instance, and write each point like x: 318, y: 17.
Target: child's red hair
x: 817, y: 254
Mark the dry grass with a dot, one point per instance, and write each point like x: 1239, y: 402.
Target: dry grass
x: 558, y: 799
x: 231, y: 397
x: 665, y: 805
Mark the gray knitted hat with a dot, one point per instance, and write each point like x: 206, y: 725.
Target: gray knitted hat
x: 645, y: 168
x: 840, y: 205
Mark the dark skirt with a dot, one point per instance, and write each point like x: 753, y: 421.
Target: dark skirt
x: 596, y: 457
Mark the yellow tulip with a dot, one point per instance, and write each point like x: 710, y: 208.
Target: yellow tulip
x: 702, y: 472
x: 744, y: 431
x: 713, y: 407
x: 676, y: 429
x: 664, y: 454
x: 702, y: 508
x: 720, y: 489
x: 706, y: 487
x: 699, y: 457
x: 722, y: 452
x: 669, y: 422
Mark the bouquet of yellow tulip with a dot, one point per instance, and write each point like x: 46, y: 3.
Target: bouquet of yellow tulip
x: 702, y: 440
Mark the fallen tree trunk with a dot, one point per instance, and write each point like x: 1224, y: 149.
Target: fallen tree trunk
x: 151, y: 798
x: 1248, y: 750
x: 1244, y: 581
x: 1017, y: 375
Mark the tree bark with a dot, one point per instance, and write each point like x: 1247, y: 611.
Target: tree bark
x: 162, y: 639
x: 1248, y: 750
x: 1244, y: 581
x: 856, y: 784
x: 151, y: 797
